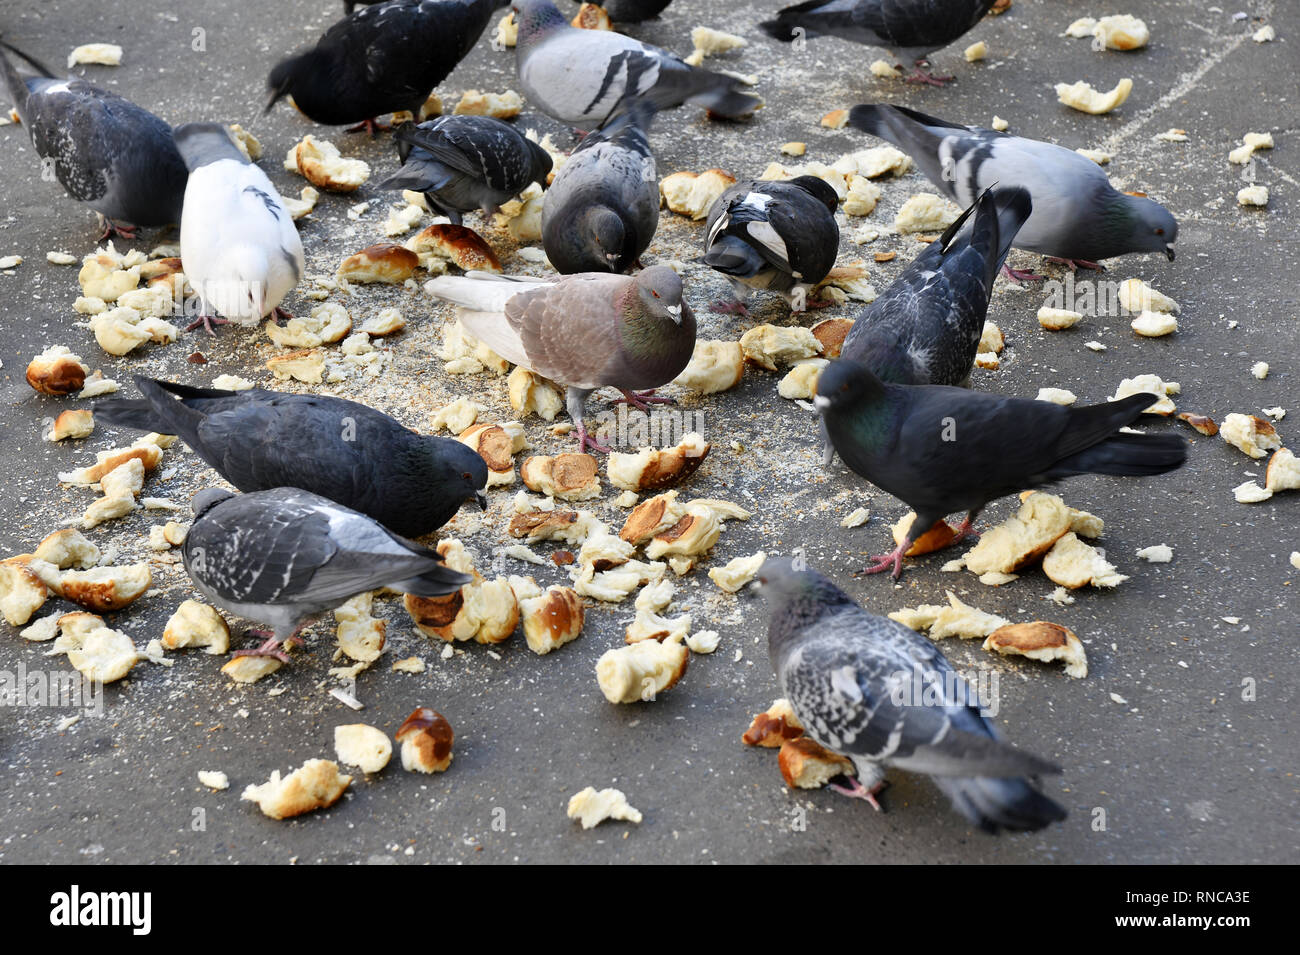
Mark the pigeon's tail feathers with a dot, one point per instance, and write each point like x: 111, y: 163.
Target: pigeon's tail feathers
x: 1127, y: 455
x: 1014, y: 207
x: 156, y: 411
x: 438, y: 581
x: 733, y: 256
x: 476, y: 294
x: 14, y: 84
x: 717, y: 93
x: 995, y: 804
x: 419, y: 175
x: 815, y: 18
x: 494, y: 330
x: 134, y: 414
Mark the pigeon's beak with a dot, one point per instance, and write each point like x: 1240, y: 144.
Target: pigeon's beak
x: 1169, y: 251
x: 482, y: 500
x: 271, y: 101
x: 821, y: 403
x: 676, y: 312
x: 611, y: 257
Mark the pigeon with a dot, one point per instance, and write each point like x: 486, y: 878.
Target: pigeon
x: 585, y: 77
x: 942, y: 449
x: 384, y: 58
x: 116, y: 157
x: 925, y: 328
x: 603, y: 207
x: 463, y: 163
x: 884, y: 696
x: 914, y: 28
x: 286, y: 556
x: 634, y: 11
x: 347, y: 452
x: 584, y: 331
x: 1078, y: 217
x: 240, y: 247
x: 780, y: 236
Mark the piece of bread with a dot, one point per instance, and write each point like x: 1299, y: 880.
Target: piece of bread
x: 99, y: 54
x: 651, y: 517
x: 958, y: 619
x: 1121, y: 32
x: 427, y: 739
x: 641, y: 671
x: 1042, y: 641
x: 1072, y: 563
x: 507, y: 31
x: 769, y: 346
x: 486, y: 611
x: 457, y: 244
x: 738, y: 572
x: 386, y: 322
x: 936, y: 538
x: 568, y: 477
x: 809, y: 765
x: 652, y: 469
x: 363, y: 746
x: 360, y: 636
x: 505, y: 105
x: 925, y: 212
x: 548, y: 525
x: 1150, y: 384
x: 1283, y: 472
x: 773, y: 726
x: 68, y: 548
x: 800, y: 382
x: 1055, y: 319
x: 106, y: 588
x: 56, y: 371
x: 830, y: 333
x: 1249, y: 434
x: 591, y: 808
x: 195, y: 624
x: 1083, y: 97
x: 590, y: 16
x: 306, y: 365
x: 531, y: 393
x: 329, y: 322
x: 649, y: 625
x: 384, y: 262
x: 316, y: 784
x: 73, y: 423
x: 250, y: 669
x: 1154, y: 324
x: 1249, y: 144
x: 1041, y: 521
x: 22, y: 591
x: 125, y: 480
x: 496, y: 445
x: 1136, y: 296
x: 614, y: 585
x: 104, y: 655
x: 692, y: 536
x: 148, y: 449
x: 714, y: 366
x: 551, y: 619
x: 321, y: 164
x: 693, y: 194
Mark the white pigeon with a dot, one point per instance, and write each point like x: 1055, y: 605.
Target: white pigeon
x: 239, y: 246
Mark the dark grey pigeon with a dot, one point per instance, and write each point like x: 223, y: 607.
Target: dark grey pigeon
x: 634, y: 11
x: 116, y: 157
x: 778, y: 236
x: 286, y: 556
x: 381, y: 59
x: 941, y: 449
x: 463, y: 163
x: 1078, y: 215
x: 852, y: 678
x: 583, y: 332
x: 347, y: 452
x: 925, y: 328
x: 603, y: 207
x: 584, y: 77
x: 912, y: 28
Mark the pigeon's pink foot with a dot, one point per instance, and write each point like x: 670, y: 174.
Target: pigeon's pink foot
x: 112, y: 229
x: 922, y: 75
x: 586, y: 441
x: 279, y: 314
x: 270, y: 647
x: 642, y: 400
x: 371, y: 126
x: 207, y: 321
x: 1021, y: 275
x: 893, y: 559
x: 855, y: 790
x: 1074, y: 264
x: 732, y: 307
x: 964, y: 530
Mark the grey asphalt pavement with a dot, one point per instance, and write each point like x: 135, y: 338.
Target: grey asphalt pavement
x: 1179, y: 746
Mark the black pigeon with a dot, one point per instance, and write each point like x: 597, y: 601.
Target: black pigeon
x: 942, y: 449
x: 912, y: 28
x: 1078, y: 216
x: 779, y: 236
x: 342, y: 450
x: 382, y: 59
x: 463, y: 163
x: 116, y: 157
x: 286, y: 556
x: 925, y: 328
x: 884, y: 696
x: 603, y: 207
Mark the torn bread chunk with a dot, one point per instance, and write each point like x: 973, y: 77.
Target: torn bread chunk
x: 106, y: 588
x: 530, y: 393
x: 427, y: 740
x: 384, y: 263
x: 567, y: 477
x: 693, y: 194
x: 305, y: 365
x: 1055, y: 319
x: 1202, y: 423
x: 360, y: 636
x: 1072, y: 563
x: 195, y: 624
x: 1083, y: 97
x: 363, y: 746
x: 925, y: 212
x: 955, y: 620
x: 1283, y: 471
x: 615, y: 584
x: 552, y: 619
x: 1253, y: 196
x: 1150, y: 384
x: 68, y: 548
x: 78, y: 423
x: 497, y: 445
x: 714, y: 366
x: 1121, y: 32
x: 800, y: 381
x: 250, y: 669
x: 1249, y: 434
x: 708, y: 42
x: 737, y: 572
x: 1154, y: 324
x: 316, y: 784
x: 22, y: 590
x: 458, y: 245
x: 321, y: 164
x: 104, y: 655
x: 806, y: 764
x: 649, y: 625
x: 770, y: 346
x: 97, y: 54
x: 328, y: 322
x: 57, y: 371
x: 692, y: 536
x: 1249, y: 144
x: 602, y: 550
x: 641, y: 671
x: 652, y: 469
x: 1057, y: 396
x: 935, y: 538
x: 773, y: 726
x: 1136, y: 296
x: 591, y: 808
x: 504, y: 105
x: 1043, y: 641
x: 1250, y: 492
x: 1041, y: 520
x: 1156, y: 553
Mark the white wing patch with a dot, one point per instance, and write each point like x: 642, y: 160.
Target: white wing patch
x: 765, y: 235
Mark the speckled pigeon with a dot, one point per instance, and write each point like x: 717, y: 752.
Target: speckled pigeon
x: 1078, y: 215
x: 942, y: 449
x: 240, y: 246
x: 584, y: 77
x: 852, y: 677
x: 925, y: 328
x: 584, y: 331
x: 462, y: 163
x: 342, y: 450
x: 286, y: 556
x: 603, y: 207
x: 912, y: 28
x: 380, y: 59
x: 109, y: 153
x: 779, y: 236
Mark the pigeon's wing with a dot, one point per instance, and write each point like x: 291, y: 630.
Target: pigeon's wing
x: 571, y: 332
x: 583, y: 75
x: 494, y: 153
x: 745, y: 215
x: 799, y: 221
x: 918, y: 24
x: 856, y: 688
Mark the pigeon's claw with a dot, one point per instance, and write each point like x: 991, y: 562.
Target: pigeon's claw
x: 642, y: 400
x: 964, y: 530
x: 855, y: 790
x: 371, y: 126
x: 1021, y: 275
x: 1075, y: 264
x: 732, y: 307
x: 271, y: 646
x: 207, y: 321
x: 922, y: 75
x: 279, y: 314
x: 893, y: 559
x: 586, y: 441
x: 111, y: 229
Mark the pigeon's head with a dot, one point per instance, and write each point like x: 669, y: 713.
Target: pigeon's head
x: 660, y: 289
x: 464, y: 471
x: 790, y: 586
x: 536, y: 16
x: 240, y: 292
x: 843, y: 383
x: 285, y: 76
x: 1154, y: 229
x: 602, y: 239
x: 819, y: 189
x: 207, y: 499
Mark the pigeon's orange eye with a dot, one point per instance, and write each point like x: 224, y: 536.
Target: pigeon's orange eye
x: 467, y: 476
x: 654, y: 293
x: 1160, y: 231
